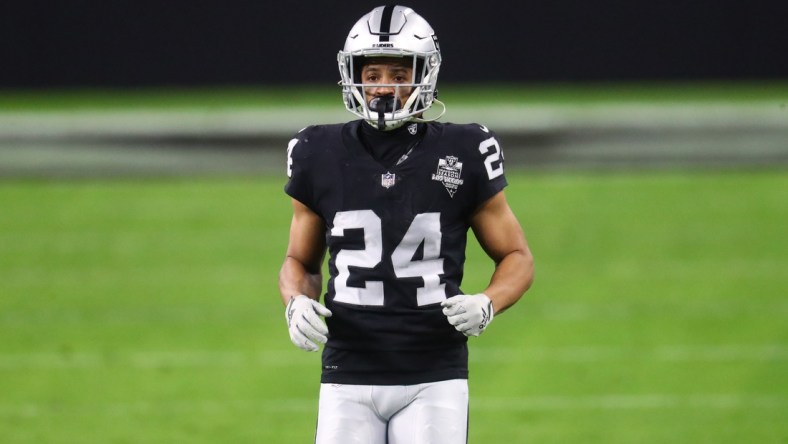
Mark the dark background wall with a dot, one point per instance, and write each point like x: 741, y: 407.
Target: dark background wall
x: 196, y: 43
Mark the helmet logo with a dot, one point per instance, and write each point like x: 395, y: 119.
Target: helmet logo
x: 435, y: 41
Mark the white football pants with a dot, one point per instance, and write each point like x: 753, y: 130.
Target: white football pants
x: 431, y: 413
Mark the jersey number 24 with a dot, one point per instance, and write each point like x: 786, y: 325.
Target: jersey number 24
x: 425, y: 228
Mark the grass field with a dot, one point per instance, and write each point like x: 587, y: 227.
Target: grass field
x: 147, y: 312
x: 328, y: 95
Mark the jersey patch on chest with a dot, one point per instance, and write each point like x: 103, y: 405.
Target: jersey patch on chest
x: 388, y: 180
x: 449, y: 173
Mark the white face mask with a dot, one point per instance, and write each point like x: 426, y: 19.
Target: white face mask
x: 397, y: 32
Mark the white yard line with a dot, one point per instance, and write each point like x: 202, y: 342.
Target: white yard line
x: 669, y: 353
x: 631, y: 402
x: 284, y: 121
x: 238, y: 359
x: 154, y: 359
x: 562, y: 311
x: 724, y: 401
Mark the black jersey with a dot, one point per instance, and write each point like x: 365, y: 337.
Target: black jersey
x: 396, y: 239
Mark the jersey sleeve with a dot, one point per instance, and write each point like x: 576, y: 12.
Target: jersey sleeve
x: 488, y: 164
x: 299, y: 183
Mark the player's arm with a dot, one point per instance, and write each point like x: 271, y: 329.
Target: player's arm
x: 301, y: 280
x: 301, y: 272
x: 500, y: 235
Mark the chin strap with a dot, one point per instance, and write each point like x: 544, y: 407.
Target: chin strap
x: 432, y: 119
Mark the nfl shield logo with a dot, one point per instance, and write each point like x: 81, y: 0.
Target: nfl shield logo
x: 387, y: 180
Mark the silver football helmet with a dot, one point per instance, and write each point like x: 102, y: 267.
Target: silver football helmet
x: 391, y: 31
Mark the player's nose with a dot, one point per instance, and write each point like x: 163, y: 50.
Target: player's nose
x: 384, y: 90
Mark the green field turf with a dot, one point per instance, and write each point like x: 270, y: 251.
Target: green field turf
x: 148, y: 312
x: 328, y: 95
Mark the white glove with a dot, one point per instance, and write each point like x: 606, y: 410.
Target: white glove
x: 469, y: 313
x: 306, y: 328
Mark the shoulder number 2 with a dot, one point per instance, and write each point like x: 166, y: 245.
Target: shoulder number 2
x: 494, y: 157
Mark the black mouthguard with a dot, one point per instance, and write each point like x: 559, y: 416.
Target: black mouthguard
x: 384, y: 104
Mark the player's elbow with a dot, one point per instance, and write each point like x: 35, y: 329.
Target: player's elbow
x: 529, y: 269
x: 525, y: 266
x: 518, y: 267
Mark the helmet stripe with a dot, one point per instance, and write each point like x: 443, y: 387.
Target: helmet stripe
x: 385, y: 23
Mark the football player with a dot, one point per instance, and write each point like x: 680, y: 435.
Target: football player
x: 390, y: 197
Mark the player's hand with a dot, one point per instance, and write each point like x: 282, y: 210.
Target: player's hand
x: 469, y: 313
x: 303, y: 321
